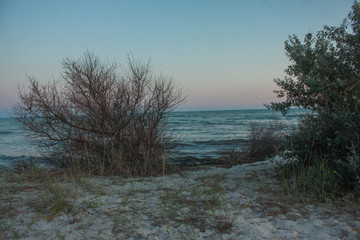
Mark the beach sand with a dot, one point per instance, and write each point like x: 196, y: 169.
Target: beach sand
x: 241, y: 202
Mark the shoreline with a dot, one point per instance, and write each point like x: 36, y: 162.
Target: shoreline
x: 207, y: 202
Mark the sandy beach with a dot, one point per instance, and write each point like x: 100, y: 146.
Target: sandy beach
x: 241, y: 202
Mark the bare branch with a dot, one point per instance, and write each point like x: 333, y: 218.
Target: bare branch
x: 96, y: 118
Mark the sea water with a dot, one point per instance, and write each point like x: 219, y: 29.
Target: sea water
x: 201, y: 134
x: 208, y: 134
x: 13, y: 143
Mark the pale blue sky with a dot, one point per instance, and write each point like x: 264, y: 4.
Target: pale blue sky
x: 223, y: 53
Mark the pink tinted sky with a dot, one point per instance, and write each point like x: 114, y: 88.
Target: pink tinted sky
x: 224, y: 54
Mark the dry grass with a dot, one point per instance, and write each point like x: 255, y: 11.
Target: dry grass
x: 188, y: 205
x: 203, y: 206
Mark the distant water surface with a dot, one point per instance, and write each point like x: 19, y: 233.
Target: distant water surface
x: 13, y: 144
x: 203, y: 134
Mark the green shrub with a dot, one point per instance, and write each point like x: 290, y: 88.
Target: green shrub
x: 333, y: 141
x: 324, y: 79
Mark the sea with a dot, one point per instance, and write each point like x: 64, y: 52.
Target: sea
x: 201, y: 135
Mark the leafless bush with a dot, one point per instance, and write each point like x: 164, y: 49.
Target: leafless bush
x: 96, y: 120
x: 265, y: 140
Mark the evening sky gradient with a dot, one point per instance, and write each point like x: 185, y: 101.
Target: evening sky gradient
x: 225, y: 53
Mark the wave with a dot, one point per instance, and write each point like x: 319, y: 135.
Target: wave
x: 5, y: 132
x: 197, y: 135
x: 8, y: 160
x: 221, y: 142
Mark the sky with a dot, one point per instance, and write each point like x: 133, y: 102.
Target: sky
x: 224, y: 54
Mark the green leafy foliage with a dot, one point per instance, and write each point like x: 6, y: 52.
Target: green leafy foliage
x: 325, y: 78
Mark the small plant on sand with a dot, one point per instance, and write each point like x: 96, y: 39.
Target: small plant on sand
x: 201, y: 207
x: 95, y: 119
x: 88, y: 186
x: 57, y: 199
